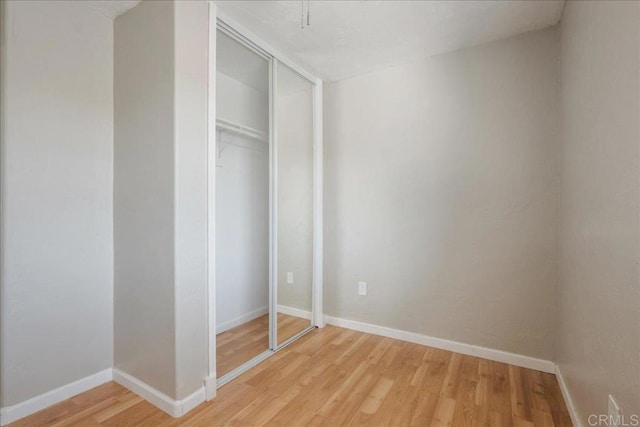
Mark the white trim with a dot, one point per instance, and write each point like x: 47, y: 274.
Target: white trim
x: 191, y: 401
x: 455, y: 346
x: 241, y: 39
x: 571, y: 407
x: 294, y: 337
x: 175, y: 408
x: 211, y: 204
x: 231, y: 375
x: 240, y: 33
x: 318, y: 178
x: 225, y: 326
x: 13, y: 413
x: 296, y: 312
x: 263, y: 45
x: 210, y: 387
x: 148, y: 393
x: 273, y: 203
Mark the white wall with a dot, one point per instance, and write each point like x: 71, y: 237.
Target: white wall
x: 160, y: 195
x: 242, y: 207
x: 144, y: 195
x: 241, y: 103
x: 440, y: 192
x: 57, y: 171
x: 191, y: 126
x: 599, y: 291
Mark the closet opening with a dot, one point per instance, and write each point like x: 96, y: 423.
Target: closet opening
x: 266, y: 204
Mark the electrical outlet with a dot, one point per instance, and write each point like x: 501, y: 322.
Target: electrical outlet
x: 615, y: 414
x: 362, y: 288
x: 290, y: 277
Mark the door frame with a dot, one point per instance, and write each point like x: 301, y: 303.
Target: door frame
x: 219, y: 19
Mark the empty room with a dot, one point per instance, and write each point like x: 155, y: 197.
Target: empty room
x: 320, y: 213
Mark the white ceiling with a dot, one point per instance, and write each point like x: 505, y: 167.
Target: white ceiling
x: 348, y: 38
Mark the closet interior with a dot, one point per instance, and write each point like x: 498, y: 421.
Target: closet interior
x: 264, y: 204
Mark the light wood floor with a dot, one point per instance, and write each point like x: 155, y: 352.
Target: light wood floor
x: 288, y: 326
x: 242, y: 343
x: 336, y: 377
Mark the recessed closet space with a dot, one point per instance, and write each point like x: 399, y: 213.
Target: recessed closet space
x: 265, y: 198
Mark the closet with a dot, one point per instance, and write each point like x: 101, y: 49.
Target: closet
x: 267, y: 180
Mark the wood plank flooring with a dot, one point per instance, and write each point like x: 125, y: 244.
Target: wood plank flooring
x: 288, y: 326
x: 241, y: 344
x: 335, y: 377
x: 244, y: 342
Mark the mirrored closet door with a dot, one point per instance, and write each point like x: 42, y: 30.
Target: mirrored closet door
x: 294, y: 133
x: 242, y: 204
x: 264, y: 204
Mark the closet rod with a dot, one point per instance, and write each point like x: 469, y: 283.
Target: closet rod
x: 229, y: 126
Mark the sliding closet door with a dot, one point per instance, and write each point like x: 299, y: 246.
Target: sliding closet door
x: 242, y: 204
x: 294, y: 164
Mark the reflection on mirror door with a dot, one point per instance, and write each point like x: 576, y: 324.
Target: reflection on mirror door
x: 294, y: 133
x: 242, y: 204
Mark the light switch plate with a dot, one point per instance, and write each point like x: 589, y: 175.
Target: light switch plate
x: 290, y: 277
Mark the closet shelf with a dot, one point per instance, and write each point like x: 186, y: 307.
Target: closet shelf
x: 238, y: 129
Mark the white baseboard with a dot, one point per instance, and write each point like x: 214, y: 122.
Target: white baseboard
x: 191, y: 401
x: 13, y: 413
x: 292, y: 311
x: 567, y: 399
x: 229, y: 324
x: 175, y: 408
x: 211, y: 387
x: 458, y: 347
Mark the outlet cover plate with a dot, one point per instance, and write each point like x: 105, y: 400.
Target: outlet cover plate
x: 362, y: 288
